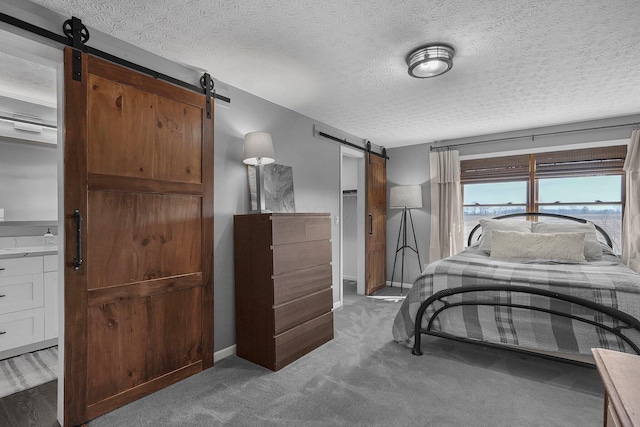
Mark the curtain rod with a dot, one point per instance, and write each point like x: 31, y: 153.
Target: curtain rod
x: 532, y: 136
x: 104, y: 55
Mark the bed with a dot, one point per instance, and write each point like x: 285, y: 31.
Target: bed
x: 560, y: 305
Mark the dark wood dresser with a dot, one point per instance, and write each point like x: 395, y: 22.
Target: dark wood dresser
x: 283, y: 286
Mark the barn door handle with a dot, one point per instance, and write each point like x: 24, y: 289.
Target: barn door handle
x: 77, y: 261
x: 370, y: 224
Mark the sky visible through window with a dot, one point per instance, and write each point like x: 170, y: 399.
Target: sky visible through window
x: 565, y: 190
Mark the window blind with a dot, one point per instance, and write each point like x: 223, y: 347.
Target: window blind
x: 584, y: 162
x: 508, y: 168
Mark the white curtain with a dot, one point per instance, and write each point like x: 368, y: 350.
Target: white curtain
x: 631, y: 219
x: 447, y: 225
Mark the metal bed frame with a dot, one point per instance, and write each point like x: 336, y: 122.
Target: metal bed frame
x: 624, y: 320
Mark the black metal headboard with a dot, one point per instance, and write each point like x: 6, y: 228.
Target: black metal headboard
x: 533, y: 214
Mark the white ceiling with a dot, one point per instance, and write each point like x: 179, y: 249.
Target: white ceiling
x: 519, y: 63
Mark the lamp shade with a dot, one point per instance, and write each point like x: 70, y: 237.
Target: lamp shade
x: 405, y: 196
x: 258, y: 147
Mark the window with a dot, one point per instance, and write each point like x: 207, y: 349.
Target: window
x: 587, y: 183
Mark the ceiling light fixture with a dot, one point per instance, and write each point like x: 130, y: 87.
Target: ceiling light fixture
x: 430, y: 60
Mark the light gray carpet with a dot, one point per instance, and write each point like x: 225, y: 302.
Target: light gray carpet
x: 28, y: 370
x: 362, y: 378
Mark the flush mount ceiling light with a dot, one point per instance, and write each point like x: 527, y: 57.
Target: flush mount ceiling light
x: 430, y: 60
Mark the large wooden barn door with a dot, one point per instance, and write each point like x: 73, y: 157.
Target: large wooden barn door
x: 376, y: 233
x: 139, y: 214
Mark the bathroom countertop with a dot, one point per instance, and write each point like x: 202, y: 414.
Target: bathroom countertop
x: 26, y: 251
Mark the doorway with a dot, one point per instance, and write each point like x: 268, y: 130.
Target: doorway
x: 352, y: 212
x: 30, y: 203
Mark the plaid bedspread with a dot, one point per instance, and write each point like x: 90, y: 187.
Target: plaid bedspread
x: 608, y: 282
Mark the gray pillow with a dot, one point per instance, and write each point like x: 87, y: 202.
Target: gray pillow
x: 488, y: 225
x: 592, y: 247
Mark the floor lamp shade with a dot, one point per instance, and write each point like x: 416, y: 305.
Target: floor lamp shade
x: 405, y: 196
x: 258, y: 148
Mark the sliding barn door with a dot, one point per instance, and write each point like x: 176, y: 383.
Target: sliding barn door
x: 376, y: 232
x: 139, y: 214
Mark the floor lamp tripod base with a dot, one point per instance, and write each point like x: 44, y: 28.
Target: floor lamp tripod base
x: 403, y: 245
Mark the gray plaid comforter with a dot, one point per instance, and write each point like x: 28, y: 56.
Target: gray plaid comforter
x: 608, y: 282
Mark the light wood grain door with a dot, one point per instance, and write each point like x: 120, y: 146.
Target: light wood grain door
x: 376, y: 223
x: 139, y: 173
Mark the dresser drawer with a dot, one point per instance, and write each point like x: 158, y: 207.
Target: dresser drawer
x: 300, y: 340
x: 21, y: 293
x: 298, y: 256
x: 299, y: 283
x: 295, y: 229
x: 19, y: 266
x: 21, y: 328
x: 301, y: 310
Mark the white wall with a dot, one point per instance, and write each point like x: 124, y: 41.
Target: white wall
x: 28, y: 182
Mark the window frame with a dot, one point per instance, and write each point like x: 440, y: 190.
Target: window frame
x: 606, y: 161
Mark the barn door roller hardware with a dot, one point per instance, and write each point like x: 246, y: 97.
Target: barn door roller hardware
x: 77, y: 35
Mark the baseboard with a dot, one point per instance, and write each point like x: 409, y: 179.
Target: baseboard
x: 224, y: 353
x: 354, y: 278
x: 397, y: 285
x: 337, y: 304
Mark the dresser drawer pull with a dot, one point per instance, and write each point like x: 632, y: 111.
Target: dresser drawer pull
x: 1, y: 268
x: 3, y: 332
x: 2, y: 295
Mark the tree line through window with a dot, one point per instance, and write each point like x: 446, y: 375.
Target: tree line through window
x: 585, y: 183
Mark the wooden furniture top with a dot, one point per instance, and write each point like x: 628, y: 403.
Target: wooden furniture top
x: 620, y: 373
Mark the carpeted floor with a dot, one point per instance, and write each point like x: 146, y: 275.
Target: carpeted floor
x: 28, y: 370
x: 362, y: 378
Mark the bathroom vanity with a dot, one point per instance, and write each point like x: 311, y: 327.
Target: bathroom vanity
x: 28, y: 299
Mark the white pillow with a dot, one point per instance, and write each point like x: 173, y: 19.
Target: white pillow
x: 592, y: 247
x: 488, y: 225
x: 561, y: 247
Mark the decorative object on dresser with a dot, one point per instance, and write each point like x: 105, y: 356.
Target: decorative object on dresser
x: 405, y: 197
x: 258, y: 151
x: 283, y: 286
x: 278, y: 188
x: 620, y: 373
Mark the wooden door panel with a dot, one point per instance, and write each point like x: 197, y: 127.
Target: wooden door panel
x: 149, y: 337
x: 141, y: 237
x: 118, y: 145
x: 168, y: 150
x: 178, y: 139
x: 376, y: 237
x: 139, y: 171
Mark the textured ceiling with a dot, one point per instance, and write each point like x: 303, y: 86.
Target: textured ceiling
x: 519, y: 63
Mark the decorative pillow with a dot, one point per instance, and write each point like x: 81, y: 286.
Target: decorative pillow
x: 592, y: 247
x: 555, y: 247
x: 488, y: 225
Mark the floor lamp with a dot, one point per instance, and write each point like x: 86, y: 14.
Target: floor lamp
x: 405, y: 197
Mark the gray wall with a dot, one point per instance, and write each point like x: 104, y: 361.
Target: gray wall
x: 28, y: 182
x: 316, y: 182
x: 410, y: 165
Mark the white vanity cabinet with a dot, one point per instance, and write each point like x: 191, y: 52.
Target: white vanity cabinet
x: 28, y: 304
